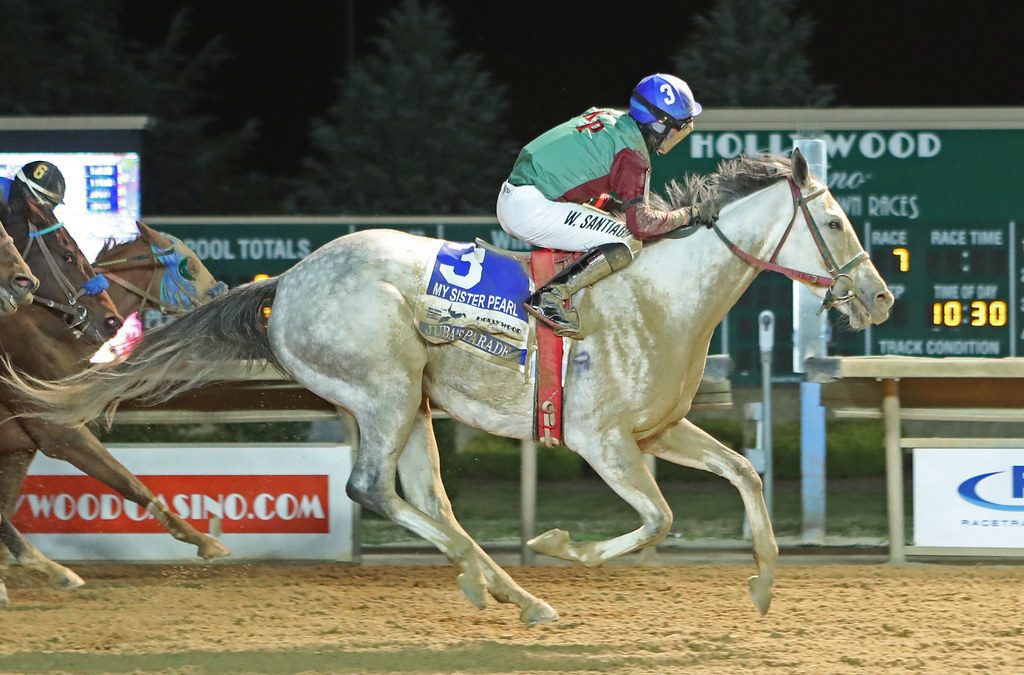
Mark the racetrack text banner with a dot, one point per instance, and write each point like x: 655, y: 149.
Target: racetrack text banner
x: 265, y: 501
x: 969, y: 497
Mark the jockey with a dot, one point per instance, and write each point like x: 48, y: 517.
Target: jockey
x: 39, y: 182
x: 561, y: 175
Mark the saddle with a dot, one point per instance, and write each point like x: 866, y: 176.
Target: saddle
x: 541, y: 265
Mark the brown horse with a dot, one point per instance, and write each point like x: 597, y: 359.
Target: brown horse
x: 155, y: 275
x: 55, y: 337
x: 16, y: 280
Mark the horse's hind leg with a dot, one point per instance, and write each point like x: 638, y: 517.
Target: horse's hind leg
x: 383, y: 392
x: 383, y: 433
x: 617, y: 459
x: 82, y: 449
x: 14, y: 465
x: 420, y: 471
x: 29, y: 557
x: 685, y: 444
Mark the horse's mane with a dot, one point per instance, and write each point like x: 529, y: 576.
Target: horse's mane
x: 734, y: 179
x: 111, y: 243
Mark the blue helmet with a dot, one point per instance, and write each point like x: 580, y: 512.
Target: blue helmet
x: 663, y: 98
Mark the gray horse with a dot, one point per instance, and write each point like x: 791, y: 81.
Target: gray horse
x: 343, y: 326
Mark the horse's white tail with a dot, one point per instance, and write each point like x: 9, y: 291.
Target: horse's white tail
x: 167, y: 361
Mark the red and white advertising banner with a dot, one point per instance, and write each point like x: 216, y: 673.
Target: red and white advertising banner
x: 267, y: 501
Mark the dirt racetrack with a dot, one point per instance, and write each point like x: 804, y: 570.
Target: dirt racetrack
x: 658, y: 619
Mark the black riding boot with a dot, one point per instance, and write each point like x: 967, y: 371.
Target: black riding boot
x: 548, y: 302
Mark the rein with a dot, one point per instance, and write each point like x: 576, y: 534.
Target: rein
x: 75, y: 314
x: 133, y: 258
x: 147, y: 294
x: 836, y: 272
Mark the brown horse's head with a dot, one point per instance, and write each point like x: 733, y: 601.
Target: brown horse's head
x: 16, y: 280
x: 68, y: 287
x: 156, y: 271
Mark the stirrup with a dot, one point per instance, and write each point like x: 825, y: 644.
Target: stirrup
x: 563, y: 327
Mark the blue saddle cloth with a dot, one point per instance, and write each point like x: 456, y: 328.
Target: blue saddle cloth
x: 474, y: 298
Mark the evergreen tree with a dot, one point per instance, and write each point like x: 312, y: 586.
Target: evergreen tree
x: 750, y: 53
x: 65, y: 57
x: 417, y: 128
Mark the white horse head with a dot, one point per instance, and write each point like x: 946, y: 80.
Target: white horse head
x: 343, y: 326
x: 809, y: 238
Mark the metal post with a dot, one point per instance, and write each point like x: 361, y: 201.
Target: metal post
x: 812, y: 463
x: 766, y: 341
x: 527, y: 498
x: 893, y: 468
x: 810, y: 339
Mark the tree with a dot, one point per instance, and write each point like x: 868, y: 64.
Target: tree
x: 64, y: 57
x: 750, y: 53
x: 417, y: 128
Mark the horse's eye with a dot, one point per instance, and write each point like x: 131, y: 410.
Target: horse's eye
x: 68, y: 258
x: 835, y: 224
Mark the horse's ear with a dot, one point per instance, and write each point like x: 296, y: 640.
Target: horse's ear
x: 152, y: 236
x: 801, y: 173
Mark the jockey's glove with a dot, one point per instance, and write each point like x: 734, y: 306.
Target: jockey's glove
x: 705, y: 213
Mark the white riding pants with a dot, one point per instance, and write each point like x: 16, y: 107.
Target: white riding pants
x: 525, y: 213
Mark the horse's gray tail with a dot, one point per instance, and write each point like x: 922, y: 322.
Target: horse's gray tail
x: 168, y: 360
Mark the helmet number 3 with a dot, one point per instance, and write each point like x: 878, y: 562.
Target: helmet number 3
x: 40, y: 172
x: 670, y: 94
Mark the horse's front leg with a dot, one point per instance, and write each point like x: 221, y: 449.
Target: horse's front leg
x: 13, y: 467
x: 419, y: 469
x: 618, y: 460
x: 28, y: 556
x: 82, y: 449
x: 686, y: 444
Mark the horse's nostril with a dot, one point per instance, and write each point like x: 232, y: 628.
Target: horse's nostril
x: 113, y: 323
x: 24, y: 283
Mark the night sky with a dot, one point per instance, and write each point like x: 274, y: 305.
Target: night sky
x: 559, y: 58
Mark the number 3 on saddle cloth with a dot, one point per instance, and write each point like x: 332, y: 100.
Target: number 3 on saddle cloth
x: 473, y: 298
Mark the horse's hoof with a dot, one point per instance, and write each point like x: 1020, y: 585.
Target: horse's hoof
x: 211, y: 549
x: 69, y: 581
x: 762, y: 593
x: 472, y: 586
x: 538, y: 613
x: 552, y: 543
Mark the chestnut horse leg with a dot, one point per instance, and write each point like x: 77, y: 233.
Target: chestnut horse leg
x: 29, y: 557
x: 15, y: 456
x: 83, y: 450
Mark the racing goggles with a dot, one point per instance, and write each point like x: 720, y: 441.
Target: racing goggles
x: 674, y: 132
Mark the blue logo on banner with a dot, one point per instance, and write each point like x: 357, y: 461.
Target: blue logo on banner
x: 968, y: 490
x: 465, y: 274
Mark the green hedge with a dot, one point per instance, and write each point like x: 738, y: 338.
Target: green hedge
x: 854, y: 449
x: 497, y: 458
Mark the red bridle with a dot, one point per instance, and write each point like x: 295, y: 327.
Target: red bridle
x: 834, y: 269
